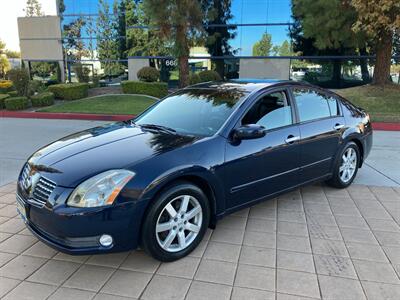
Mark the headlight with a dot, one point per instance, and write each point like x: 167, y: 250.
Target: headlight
x: 100, y: 190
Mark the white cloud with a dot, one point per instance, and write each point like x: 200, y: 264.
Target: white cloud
x: 9, y: 13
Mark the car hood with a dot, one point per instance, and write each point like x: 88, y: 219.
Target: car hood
x: 79, y: 156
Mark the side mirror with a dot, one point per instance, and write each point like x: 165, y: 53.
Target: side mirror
x: 248, y: 132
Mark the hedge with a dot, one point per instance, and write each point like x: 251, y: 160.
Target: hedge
x: 5, y: 86
x: 13, y: 94
x: 69, y: 91
x: 148, y: 74
x: 3, y: 97
x: 16, y: 103
x: 155, y: 89
x: 43, y: 99
x: 209, y: 75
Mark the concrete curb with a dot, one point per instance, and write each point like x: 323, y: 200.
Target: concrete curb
x: 64, y: 116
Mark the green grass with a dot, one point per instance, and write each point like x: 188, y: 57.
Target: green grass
x: 107, y: 104
x: 383, y: 104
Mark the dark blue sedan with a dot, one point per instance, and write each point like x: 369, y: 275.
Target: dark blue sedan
x: 160, y: 180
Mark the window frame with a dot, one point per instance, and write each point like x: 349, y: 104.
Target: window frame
x: 288, y: 102
x: 321, y: 91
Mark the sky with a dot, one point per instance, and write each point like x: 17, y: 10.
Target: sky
x: 10, y: 11
x: 244, y: 11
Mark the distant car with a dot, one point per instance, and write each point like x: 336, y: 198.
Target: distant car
x: 158, y: 181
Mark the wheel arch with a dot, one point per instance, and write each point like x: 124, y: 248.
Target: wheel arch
x: 201, y: 179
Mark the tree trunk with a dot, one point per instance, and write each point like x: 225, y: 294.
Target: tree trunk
x: 383, y: 60
x: 364, y: 66
x: 183, y: 57
x: 337, y: 73
x: 183, y: 71
x: 220, y: 67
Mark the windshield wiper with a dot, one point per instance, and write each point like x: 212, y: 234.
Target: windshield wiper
x: 158, y: 127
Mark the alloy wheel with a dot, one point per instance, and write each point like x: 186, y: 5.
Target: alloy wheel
x: 348, y: 166
x: 179, y: 223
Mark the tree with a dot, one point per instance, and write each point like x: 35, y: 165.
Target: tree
x: 217, y: 41
x: 73, y: 42
x: 380, y: 20
x: 107, y: 40
x: 179, y: 21
x: 4, y: 65
x: 33, y: 8
x: 283, y: 50
x: 13, y: 54
x: 2, y: 47
x: 323, y: 27
x: 264, y: 46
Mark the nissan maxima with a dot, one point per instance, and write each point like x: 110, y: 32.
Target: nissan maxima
x: 160, y: 180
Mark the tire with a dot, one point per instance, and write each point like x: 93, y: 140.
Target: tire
x: 176, y: 234
x: 339, y: 180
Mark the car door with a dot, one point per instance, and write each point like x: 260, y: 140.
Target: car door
x: 260, y: 167
x: 321, y: 127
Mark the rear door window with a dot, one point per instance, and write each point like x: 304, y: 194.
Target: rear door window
x: 312, y: 104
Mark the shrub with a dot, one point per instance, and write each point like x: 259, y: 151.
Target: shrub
x: 43, y: 99
x: 155, y: 89
x: 194, y: 78
x: 148, y: 74
x: 13, y: 94
x: 82, y: 72
x: 3, y: 97
x: 5, y: 86
x: 17, y: 103
x: 35, y: 86
x: 209, y: 76
x: 69, y: 91
x: 20, y: 79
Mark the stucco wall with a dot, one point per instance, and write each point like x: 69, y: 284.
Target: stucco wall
x: 134, y: 65
x: 40, y: 38
x: 264, y: 68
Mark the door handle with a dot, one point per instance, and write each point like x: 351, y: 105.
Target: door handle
x: 338, y: 126
x: 291, y: 139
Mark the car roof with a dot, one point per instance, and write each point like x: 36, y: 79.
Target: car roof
x: 244, y: 84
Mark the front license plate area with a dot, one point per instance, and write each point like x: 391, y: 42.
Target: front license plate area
x: 21, y: 209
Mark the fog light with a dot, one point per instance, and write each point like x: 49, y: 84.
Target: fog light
x: 106, y: 240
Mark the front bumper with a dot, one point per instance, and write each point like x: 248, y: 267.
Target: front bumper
x: 78, y: 230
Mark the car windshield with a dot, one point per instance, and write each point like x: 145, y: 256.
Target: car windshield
x: 193, y: 111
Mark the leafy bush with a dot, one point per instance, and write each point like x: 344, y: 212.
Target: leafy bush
x: 5, y: 86
x: 35, y: 86
x: 69, y: 91
x: 20, y: 79
x: 311, y: 77
x: 43, y: 99
x: 16, y: 103
x: 3, y: 97
x: 148, y: 74
x: 155, y: 89
x: 209, y: 75
x: 13, y: 94
x: 194, y: 78
x: 82, y: 72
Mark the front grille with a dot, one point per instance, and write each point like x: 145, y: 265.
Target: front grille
x: 42, y: 191
x: 25, y: 172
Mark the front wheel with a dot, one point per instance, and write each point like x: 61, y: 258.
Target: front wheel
x: 176, y: 222
x: 346, y: 166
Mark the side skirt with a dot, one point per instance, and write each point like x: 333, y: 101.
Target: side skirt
x: 270, y: 196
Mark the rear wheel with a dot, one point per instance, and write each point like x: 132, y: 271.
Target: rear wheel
x: 346, y: 166
x: 176, y: 222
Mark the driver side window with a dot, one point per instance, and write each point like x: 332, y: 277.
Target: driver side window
x: 271, y: 111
